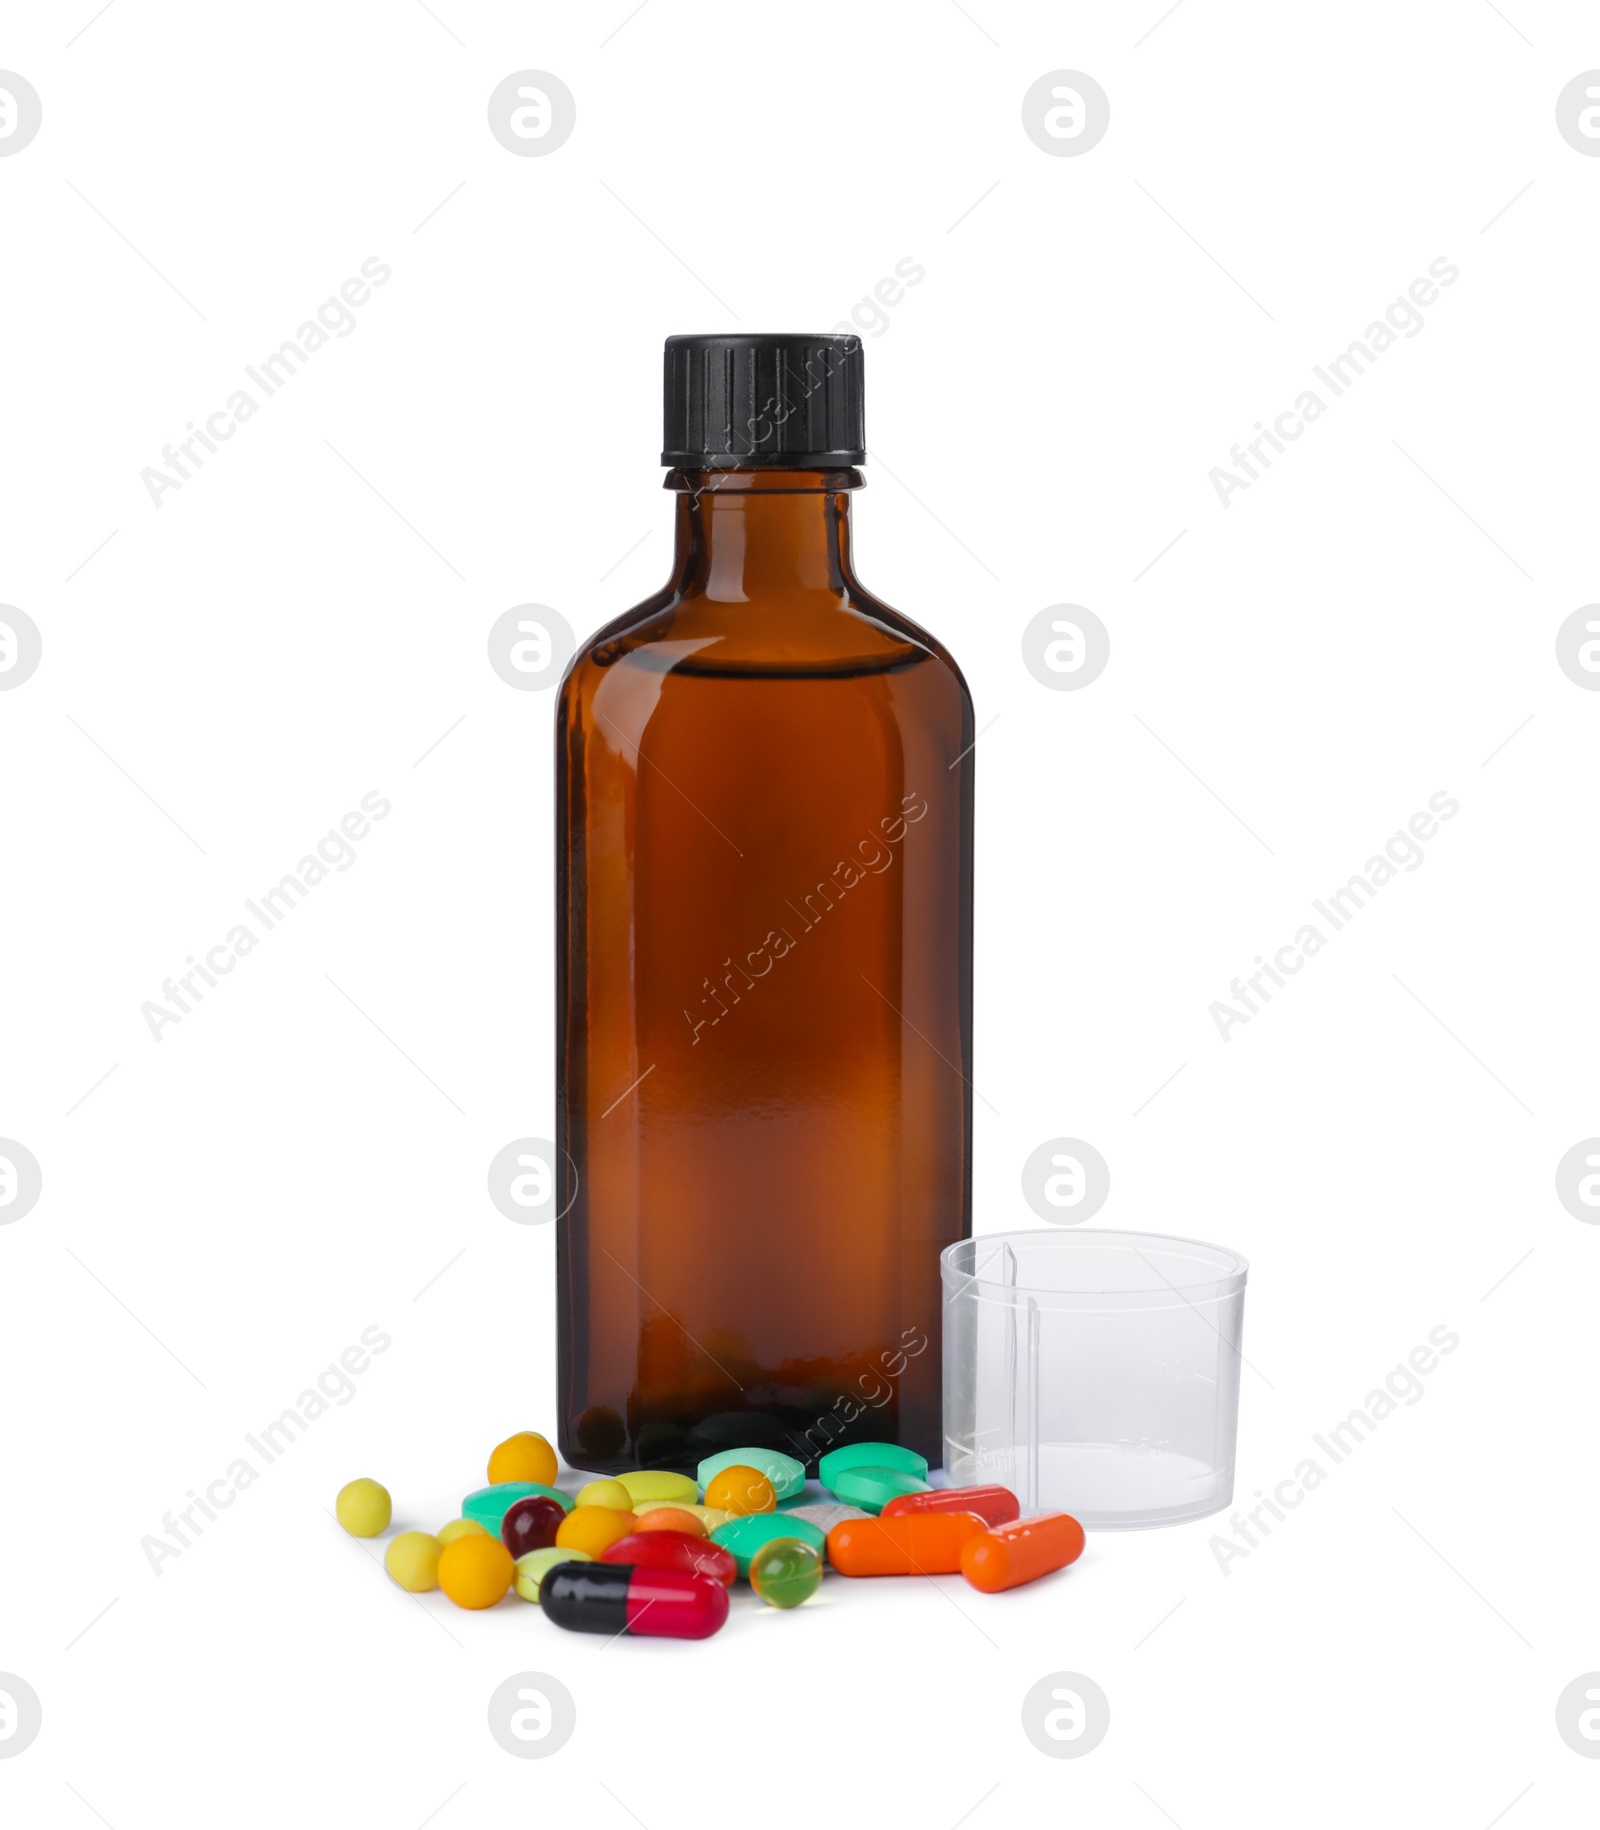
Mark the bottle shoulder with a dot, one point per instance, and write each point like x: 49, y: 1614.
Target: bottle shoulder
x: 814, y: 635
x: 903, y: 628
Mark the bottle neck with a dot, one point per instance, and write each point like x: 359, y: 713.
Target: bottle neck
x: 748, y: 535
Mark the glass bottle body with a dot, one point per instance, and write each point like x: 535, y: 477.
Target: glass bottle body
x: 764, y: 860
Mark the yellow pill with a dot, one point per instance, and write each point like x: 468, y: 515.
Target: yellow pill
x: 363, y: 1508
x: 742, y: 1490
x: 459, y: 1528
x: 523, y: 1457
x: 709, y: 1516
x: 592, y: 1528
x: 412, y: 1560
x: 606, y: 1493
x: 534, y: 1565
x: 659, y: 1484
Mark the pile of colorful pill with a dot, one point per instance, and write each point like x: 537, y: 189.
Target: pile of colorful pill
x: 654, y: 1552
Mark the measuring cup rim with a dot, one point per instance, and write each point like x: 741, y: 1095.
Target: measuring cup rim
x: 1227, y: 1272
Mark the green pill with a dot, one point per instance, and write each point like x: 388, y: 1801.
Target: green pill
x: 873, y: 1488
x: 785, y: 1572
x: 870, y: 1455
x: 742, y: 1538
x: 489, y: 1505
x: 787, y: 1475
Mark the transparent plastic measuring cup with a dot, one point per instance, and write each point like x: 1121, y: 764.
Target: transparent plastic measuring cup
x: 1094, y: 1372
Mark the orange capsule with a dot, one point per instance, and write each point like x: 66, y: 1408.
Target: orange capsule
x: 921, y: 1544
x: 1009, y: 1555
x: 994, y: 1505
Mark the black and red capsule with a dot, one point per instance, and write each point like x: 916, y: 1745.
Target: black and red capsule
x: 628, y: 1598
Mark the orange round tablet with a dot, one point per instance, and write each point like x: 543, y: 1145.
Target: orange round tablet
x: 475, y: 1571
x: 523, y: 1457
x: 671, y: 1518
x: 741, y: 1490
x: 592, y: 1528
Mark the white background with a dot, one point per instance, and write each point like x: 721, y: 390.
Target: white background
x: 304, y: 620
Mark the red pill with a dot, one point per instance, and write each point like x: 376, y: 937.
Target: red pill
x: 617, y: 1598
x: 994, y: 1505
x: 673, y: 1550
x: 919, y: 1544
x: 1010, y: 1555
x: 531, y: 1524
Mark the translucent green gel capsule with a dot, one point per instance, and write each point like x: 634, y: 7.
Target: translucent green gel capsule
x: 785, y: 1572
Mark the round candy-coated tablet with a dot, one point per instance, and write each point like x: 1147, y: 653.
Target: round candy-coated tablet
x: 530, y: 1524
x: 523, y: 1457
x: 412, y: 1560
x: 1010, y: 1555
x: 363, y: 1508
x: 787, y: 1475
x: 994, y: 1505
x: 869, y: 1455
x: 785, y: 1572
x: 670, y: 1518
x: 534, y: 1565
x: 744, y: 1537
x: 673, y: 1550
x: 592, y: 1528
x: 873, y: 1488
x: 659, y: 1484
x: 606, y: 1493
x: 489, y: 1504
x: 460, y: 1528
x: 475, y: 1571
x: 741, y: 1490
x: 709, y: 1516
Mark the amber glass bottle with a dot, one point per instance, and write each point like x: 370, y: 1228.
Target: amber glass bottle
x: 764, y: 861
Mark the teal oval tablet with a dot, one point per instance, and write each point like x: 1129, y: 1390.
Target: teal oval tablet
x: 742, y: 1538
x: 870, y: 1455
x: 787, y: 1475
x: 489, y: 1505
x: 873, y: 1488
